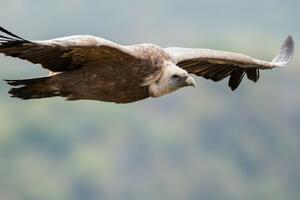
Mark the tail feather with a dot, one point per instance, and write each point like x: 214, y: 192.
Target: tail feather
x: 31, y: 88
x: 27, y: 93
x: 25, y: 81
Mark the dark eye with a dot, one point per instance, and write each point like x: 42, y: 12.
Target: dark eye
x: 175, y: 76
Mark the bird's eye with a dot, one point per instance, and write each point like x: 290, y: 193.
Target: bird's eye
x: 175, y: 76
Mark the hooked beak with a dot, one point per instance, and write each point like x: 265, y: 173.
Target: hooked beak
x: 190, y: 82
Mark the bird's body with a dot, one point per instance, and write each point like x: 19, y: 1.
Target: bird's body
x: 120, y: 80
x: 91, y: 68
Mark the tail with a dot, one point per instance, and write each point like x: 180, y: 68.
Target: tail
x: 286, y: 53
x: 36, y: 88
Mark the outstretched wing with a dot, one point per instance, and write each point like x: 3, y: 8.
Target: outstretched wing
x: 217, y: 65
x: 63, y: 54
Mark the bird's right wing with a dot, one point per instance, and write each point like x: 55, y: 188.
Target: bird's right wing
x: 217, y: 65
x: 63, y: 54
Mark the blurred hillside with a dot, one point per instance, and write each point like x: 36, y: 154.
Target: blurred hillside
x: 208, y: 143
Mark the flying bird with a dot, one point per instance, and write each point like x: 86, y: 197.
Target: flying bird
x: 86, y: 67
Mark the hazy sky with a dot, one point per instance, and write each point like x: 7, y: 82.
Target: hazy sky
x: 169, y: 22
x: 206, y: 143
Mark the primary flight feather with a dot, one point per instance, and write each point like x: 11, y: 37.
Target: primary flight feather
x: 92, y: 68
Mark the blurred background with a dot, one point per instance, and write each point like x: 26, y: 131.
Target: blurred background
x: 206, y: 143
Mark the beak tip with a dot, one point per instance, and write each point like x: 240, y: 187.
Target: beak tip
x: 191, y: 82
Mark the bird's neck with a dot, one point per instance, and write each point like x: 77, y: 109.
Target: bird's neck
x: 157, y: 89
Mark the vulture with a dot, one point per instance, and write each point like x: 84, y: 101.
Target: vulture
x: 85, y: 67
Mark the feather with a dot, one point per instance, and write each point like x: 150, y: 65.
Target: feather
x: 236, y: 78
x: 11, y: 34
x: 245, y: 64
x: 253, y: 74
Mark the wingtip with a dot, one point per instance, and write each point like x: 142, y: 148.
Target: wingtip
x: 286, y: 52
x: 290, y: 38
x: 11, y: 35
x: 290, y: 44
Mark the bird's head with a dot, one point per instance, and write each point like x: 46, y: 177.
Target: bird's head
x: 178, y: 77
x: 172, y: 79
x: 179, y: 80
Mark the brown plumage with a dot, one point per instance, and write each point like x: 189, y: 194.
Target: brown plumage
x: 91, y: 68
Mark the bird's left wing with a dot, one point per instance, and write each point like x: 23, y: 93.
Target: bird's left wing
x: 63, y: 54
x: 217, y: 65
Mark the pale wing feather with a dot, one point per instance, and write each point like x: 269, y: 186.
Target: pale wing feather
x: 217, y: 57
x: 217, y: 65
